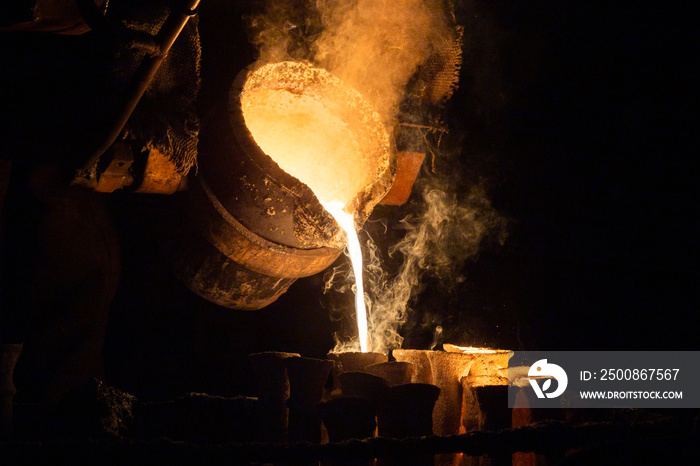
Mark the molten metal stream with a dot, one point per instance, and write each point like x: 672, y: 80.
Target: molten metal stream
x: 347, y: 223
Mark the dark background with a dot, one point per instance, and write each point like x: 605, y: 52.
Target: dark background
x: 575, y: 117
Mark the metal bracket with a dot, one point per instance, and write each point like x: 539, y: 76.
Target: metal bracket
x: 117, y: 174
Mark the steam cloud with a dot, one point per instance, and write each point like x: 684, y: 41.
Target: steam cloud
x: 441, y: 236
x: 374, y: 46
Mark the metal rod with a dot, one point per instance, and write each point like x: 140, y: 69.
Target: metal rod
x: 143, y: 76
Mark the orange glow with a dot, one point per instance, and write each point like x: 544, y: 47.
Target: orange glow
x: 470, y: 349
x: 324, y: 134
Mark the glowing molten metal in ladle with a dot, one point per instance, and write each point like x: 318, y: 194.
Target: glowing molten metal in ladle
x: 324, y: 134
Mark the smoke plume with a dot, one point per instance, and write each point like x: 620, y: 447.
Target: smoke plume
x: 445, y: 230
x: 440, y: 237
x: 374, y: 46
